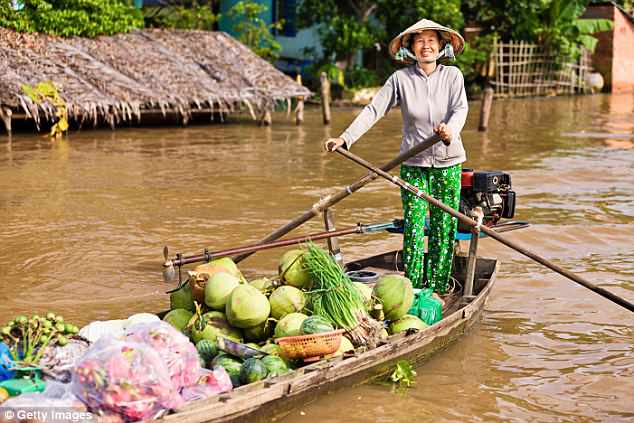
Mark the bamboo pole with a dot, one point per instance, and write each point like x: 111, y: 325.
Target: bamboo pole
x: 331, y: 200
x: 490, y: 232
x: 5, y: 115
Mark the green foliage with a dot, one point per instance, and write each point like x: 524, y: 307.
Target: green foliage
x: 47, y: 92
x: 195, y: 14
x: 67, y: 18
x: 553, y: 23
x: 359, y: 77
x: 403, y: 374
x: 396, y: 16
x: 253, y: 30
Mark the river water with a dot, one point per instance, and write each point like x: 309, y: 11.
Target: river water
x: 84, y: 220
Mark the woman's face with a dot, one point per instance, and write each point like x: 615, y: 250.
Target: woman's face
x: 426, y: 45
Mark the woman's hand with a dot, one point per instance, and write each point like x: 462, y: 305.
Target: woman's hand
x: 332, y: 144
x: 444, y: 132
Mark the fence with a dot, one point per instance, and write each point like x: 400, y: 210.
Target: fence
x: 523, y: 69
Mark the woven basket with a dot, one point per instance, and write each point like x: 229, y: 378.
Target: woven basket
x: 306, y: 346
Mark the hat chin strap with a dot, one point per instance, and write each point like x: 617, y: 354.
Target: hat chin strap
x: 447, y: 52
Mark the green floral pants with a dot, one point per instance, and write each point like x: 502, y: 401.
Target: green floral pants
x: 434, y: 268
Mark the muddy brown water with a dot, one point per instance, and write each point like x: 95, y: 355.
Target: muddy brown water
x: 84, y: 219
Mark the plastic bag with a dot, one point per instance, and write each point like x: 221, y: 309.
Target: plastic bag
x: 179, y: 355
x: 57, y: 362
x: 6, y: 363
x: 426, y: 307
x: 125, y: 378
x: 210, y: 383
x: 97, y: 329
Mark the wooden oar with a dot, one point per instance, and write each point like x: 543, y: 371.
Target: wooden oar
x: 331, y: 200
x: 493, y: 234
x: 168, y: 266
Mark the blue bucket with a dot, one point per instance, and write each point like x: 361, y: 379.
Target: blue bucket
x: 6, y: 363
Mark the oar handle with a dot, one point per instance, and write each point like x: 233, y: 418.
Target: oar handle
x: 495, y: 235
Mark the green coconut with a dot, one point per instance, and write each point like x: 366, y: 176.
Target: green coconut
x: 224, y: 264
x: 179, y: 318
x: 366, y: 293
x: 213, y: 324
x: 182, y: 298
x: 264, y: 285
x: 247, y: 307
x: 290, y: 325
x: 292, y: 269
x: 407, y: 322
x: 396, y: 294
x: 285, y: 300
x: 272, y: 349
x: 219, y: 288
x: 260, y: 332
x: 345, y: 346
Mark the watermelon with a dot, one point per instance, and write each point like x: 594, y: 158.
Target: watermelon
x: 316, y: 324
x: 231, y: 365
x: 275, y: 365
x: 207, y: 350
x: 252, y: 370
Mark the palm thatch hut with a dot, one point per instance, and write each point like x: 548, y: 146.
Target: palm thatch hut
x: 116, y: 79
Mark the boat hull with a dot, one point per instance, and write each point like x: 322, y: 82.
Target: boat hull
x: 264, y: 400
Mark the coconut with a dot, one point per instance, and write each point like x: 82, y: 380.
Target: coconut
x: 182, y: 298
x: 407, y: 322
x: 290, y: 325
x: 219, y: 288
x: 345, y: 346
x: 264, y: 285
x: 292, y: 269
x: 396, y: 294
x: 178, y: 318
x: 247, y: 307
x: 260, y: 332
x: 366, y: 293
x: 224, y: 264
x: 286, y: 299
x: 272, y: 349
x: 212, y: 325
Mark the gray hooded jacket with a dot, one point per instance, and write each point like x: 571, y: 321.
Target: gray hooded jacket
x: 426, y: 101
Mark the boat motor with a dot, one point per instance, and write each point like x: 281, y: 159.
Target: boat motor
x: 489, y: 191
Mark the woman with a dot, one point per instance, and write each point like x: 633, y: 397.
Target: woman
x: 432, y: 99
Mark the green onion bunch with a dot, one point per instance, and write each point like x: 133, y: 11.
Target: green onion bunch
x: 333, y: 296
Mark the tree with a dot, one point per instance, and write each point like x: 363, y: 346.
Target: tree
x: 182, y: 14
x: 253, y: 31
x: 67, y: 18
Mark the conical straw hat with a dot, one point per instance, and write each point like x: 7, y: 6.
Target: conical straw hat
x: 448, y: 34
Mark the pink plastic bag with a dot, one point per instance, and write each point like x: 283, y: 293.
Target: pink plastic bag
x: 210, y: 382
x: 125, y: 378
x: 179, y: 354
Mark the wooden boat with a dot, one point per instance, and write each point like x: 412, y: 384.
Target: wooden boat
x: 266, y: 399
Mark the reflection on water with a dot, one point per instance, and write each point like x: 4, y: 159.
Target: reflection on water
x: 84, y: 220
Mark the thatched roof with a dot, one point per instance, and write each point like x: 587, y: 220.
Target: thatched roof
x: 117, y: 77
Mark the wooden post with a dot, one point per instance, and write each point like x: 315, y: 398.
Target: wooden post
x: 325, y: 97
x: 333, y: 243
x: 485, y: 110
x: 471, y: 264
x: 299, y: 110
x: 265, y: 119
x: 5, y: 115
